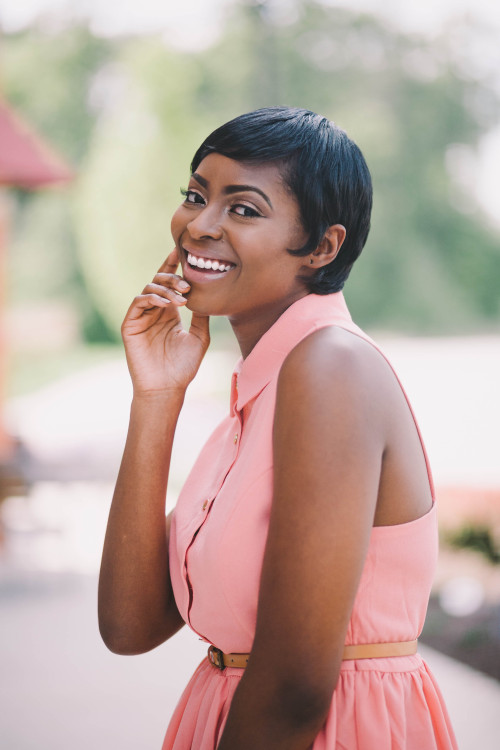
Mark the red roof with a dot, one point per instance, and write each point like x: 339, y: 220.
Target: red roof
x: 25, y: 160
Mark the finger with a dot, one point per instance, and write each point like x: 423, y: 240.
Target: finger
x: 171, y: 262
x: 166, y: 292
x: 146, y: 303
x: 171, y: 280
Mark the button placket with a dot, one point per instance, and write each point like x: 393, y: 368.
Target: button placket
x: 206, y: 505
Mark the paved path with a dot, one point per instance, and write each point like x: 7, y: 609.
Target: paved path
x: 76, y: 427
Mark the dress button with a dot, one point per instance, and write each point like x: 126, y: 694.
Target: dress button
x: 204, y: 505
x: 236, y: 438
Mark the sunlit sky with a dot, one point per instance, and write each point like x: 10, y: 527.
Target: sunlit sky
x: 196, y: 23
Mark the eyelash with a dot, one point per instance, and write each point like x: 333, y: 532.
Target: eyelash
x: 187, y: 194
x: 253, y: 212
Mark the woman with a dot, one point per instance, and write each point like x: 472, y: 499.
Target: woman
x: 303, y: 545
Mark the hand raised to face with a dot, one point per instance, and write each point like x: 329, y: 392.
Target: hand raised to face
x: 161, y: 355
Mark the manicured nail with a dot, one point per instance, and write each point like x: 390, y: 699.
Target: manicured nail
x: 183, y: 284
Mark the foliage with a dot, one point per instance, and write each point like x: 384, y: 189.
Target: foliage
x: 131, y: 113
x: 130, y: 184
x: 48, y: 78
x: 477, y: 538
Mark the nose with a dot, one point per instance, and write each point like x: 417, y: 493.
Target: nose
x: 206, y: 224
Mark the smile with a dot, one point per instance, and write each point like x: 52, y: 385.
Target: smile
x: 208, y: 264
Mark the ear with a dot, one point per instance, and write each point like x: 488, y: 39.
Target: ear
x: 329, y: 247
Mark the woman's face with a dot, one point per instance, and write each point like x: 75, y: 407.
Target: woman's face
x: 232, y: 231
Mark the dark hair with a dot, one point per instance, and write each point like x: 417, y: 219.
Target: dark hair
x: 322, y: 167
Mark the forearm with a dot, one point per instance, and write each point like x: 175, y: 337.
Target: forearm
x: 136, y: 606
x: 271, y: 719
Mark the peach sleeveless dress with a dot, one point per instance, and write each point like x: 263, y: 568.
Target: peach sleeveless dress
x: 217, y: 543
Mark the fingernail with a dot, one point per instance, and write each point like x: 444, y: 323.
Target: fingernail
x: 183, y: 285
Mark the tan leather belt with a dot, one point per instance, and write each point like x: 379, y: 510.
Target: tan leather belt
x: 362, y: 651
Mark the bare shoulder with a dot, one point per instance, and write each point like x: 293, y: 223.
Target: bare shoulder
x: 335, y: 388
x: 338, y: 389
x: 333, y: 357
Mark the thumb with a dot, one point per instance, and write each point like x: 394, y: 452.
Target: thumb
x: 171, y: 262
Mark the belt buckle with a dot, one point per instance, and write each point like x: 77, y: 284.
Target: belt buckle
x: 216, y: 657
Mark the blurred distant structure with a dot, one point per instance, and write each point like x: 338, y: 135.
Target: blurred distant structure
x: 26, y: 161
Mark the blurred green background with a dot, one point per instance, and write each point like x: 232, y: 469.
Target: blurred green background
x: 128, y: 111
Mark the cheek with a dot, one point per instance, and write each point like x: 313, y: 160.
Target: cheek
x: 177, y: 223
x: 297, y: 237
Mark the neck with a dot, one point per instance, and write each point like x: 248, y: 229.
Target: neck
x: 250, y: 329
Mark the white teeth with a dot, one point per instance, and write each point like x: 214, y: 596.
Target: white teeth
x: 213, y: 265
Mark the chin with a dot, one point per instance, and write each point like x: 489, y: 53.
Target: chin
x: 201, y: 306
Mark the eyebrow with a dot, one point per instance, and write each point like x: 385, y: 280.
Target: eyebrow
x: 230, y: 189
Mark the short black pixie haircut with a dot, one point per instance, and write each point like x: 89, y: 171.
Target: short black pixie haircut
x: 321, y: 166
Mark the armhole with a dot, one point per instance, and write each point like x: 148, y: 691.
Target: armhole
x: 422, y: 444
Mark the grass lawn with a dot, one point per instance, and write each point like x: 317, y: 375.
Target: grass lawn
x: 27, y: 371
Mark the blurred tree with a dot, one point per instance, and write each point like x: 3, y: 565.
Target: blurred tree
x: 48, y: 77
x: 427, y: 267
x: 139, y: 160
x: 132, y: 113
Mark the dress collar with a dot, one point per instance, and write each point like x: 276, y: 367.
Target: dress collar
x: 309, y: 313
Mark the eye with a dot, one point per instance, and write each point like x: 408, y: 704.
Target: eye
x: 192, y: 196
x: 246, y: 211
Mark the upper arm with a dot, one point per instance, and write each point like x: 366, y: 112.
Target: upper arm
x: 168, y: 525
x: 328, y: 445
